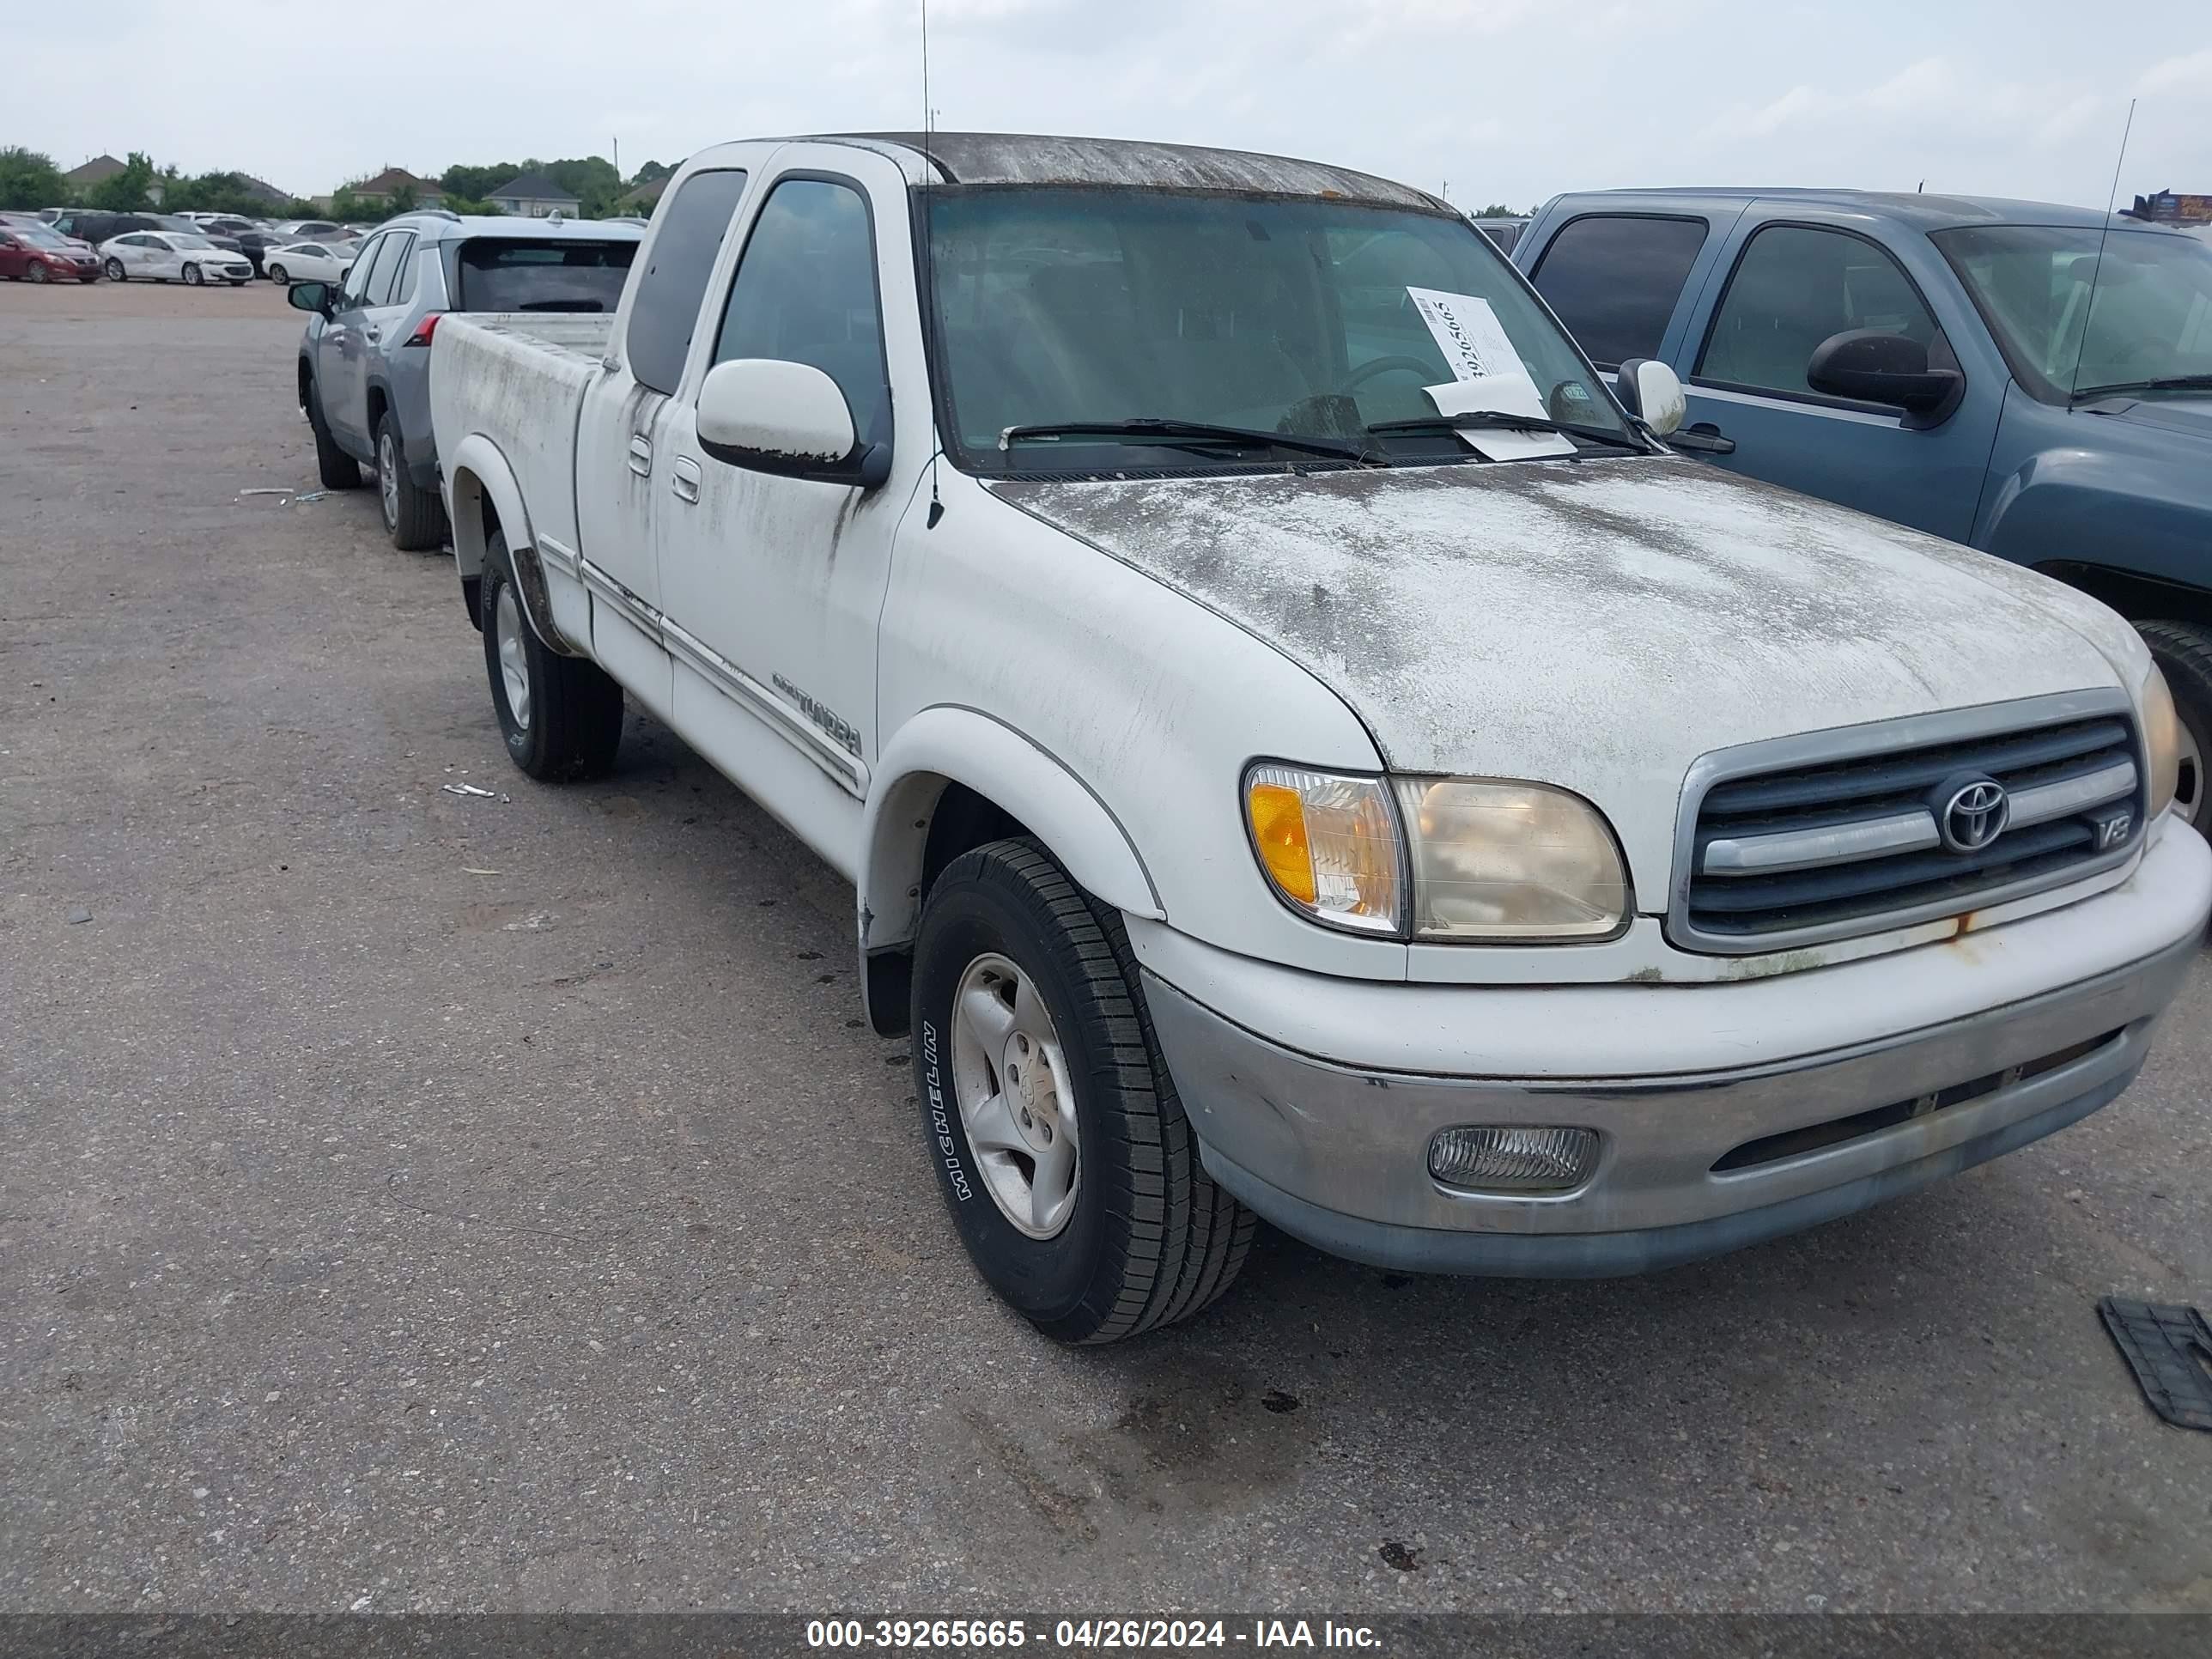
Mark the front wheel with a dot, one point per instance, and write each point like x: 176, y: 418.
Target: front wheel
x: 115, y: 273
x: 192, y: 274
x: 1061, y: 1145
x: 36, y: 274
x: 2184, y: 654
x: 562, y: 716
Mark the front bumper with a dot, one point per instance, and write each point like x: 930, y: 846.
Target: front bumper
x: 1336, y: 1152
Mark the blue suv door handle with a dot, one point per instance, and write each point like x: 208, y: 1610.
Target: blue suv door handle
x: 1705, y: 437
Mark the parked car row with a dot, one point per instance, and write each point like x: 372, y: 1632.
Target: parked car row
x: 116, y: 244
x: 1305, y: 744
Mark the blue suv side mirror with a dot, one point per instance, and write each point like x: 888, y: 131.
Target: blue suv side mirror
x: 1874, y: 366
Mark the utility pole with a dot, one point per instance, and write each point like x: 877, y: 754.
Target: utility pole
x: 618, y: 172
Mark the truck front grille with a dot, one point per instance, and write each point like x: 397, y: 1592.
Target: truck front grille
x: 1884, y: 838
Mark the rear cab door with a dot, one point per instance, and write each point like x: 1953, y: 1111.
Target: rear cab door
x: 1791, y: 275
x: 1624, y: 271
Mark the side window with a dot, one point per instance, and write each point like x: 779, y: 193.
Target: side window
x: 377, y: 290
x: 805, y: 292
x: 1793, y: 287
x: 357, y: 275
x: 403, y: 288
x: 1614, y: 279
x: 671, y: 288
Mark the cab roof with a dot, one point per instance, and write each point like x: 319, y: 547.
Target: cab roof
x: 1021, y: 158
x: 1918, y: 211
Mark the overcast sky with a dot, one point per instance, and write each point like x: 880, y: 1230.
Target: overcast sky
x: 1508, y: 99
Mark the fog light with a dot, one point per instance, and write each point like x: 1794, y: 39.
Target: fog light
x: 1514, y: 1157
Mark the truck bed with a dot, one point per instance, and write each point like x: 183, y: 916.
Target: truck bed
x: 518, y: 378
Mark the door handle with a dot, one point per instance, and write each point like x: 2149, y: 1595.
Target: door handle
x: 684, y: 479
x: 640, y: 455
x: 374, y: 335
x: 1704, y: 438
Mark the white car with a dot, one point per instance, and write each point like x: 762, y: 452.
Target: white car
x: 1302, y: 744
x: 166, y: 256
x: 305, y: 262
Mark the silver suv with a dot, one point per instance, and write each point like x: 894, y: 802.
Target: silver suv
x: 364, y: 362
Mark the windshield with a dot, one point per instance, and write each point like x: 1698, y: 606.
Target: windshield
x: 37, y: 238
x: 2152, y: 319
x: 506, y: 273
x: 1280, y: 315
x: 180, y: 239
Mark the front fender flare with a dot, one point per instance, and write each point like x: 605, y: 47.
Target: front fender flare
x: 478, y: 473
x: 950, y: 744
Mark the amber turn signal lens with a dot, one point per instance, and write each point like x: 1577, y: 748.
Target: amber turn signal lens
x: 1278, y: 830
x: 1328, y: 844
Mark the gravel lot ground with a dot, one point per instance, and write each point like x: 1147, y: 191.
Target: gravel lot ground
x: 418, y: 1201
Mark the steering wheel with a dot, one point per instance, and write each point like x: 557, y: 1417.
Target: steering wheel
x: 1367, y: 371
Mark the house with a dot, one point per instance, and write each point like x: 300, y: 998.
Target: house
x: 390, y: 182
x: 534, y: 196
x: 100, y: 167
x: 641, y: 200
x: 265, y: 192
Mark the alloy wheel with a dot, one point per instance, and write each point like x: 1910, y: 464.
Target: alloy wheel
x: 1017, y: 1102
x: 513, y: 659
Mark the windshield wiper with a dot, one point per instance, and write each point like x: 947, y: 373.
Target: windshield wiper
x: 1478, y: 419
x: 1189, y: 432
x: 2163, y: 383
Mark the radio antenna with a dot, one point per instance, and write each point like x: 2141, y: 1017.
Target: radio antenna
x: 921, y: 205
x: 2097, y: 271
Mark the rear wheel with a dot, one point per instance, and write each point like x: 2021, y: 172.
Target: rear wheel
x: 115, y: 273
x: 413, y: 517
x: 562, y: 716
x: 2184, y: 653
x: 1061, y: 1145
x: 336, y: 468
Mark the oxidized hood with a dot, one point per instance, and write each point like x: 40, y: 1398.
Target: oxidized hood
x: 2185, y: 414
x: 1596, y: 624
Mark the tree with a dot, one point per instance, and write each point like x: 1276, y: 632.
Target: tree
x: 592, y: 181
x: 214, y: 192
x: 476, y: 184
x: 650, y: 171
x: 124, y: 191
x: 29, y: 180
x: 1500, y: 211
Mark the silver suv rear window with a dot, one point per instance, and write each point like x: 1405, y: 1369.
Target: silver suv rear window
x: 513, y: 274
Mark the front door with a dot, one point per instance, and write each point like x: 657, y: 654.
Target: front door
x: 774, y: 585
x: 1790, y: 285
x: 341, y: 351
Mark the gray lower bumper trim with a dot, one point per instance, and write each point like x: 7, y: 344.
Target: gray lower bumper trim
x: 1607, y: 1255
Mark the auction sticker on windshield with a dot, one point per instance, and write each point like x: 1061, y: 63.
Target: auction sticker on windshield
x: 1487, y: 373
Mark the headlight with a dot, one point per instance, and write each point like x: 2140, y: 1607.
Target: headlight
x: 2161, y: 729
x: 1327, y: 845
x: 1497, y: 860
x: 1460, y: 858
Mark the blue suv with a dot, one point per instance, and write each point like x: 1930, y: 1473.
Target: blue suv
x: 2035, y: 381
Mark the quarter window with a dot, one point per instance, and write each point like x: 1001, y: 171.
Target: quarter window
x: 1614, y: 280
x: 805, y: 292
x: 1795, y: 286
x: 668, y: 294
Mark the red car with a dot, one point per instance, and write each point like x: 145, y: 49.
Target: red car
x: 32, y: 255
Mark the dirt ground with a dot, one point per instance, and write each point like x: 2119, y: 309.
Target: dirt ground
x: 414, y: 1201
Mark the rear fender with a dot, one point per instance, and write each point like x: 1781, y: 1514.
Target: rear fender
x: 478, y: 477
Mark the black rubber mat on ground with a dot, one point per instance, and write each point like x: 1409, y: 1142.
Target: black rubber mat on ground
x: 2170, y: 1350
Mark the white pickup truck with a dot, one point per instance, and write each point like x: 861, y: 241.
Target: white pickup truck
x: 1303, y: 745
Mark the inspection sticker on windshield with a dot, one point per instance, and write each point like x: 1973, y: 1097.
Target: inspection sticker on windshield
x: 1487, y: 373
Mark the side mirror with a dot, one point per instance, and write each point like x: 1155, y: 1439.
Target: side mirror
x: 1874, y: 366
x: 309, y: 297
x: 769, y: 416
x: 1651, y: 390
